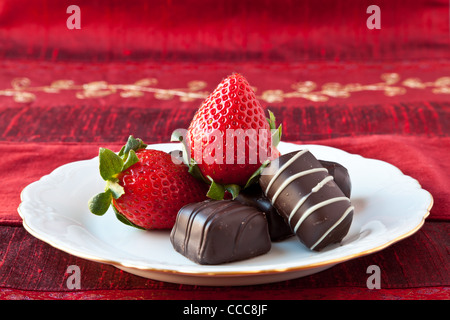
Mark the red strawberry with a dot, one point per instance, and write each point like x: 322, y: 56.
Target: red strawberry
x: 145, y: 186
x: 231, y: 109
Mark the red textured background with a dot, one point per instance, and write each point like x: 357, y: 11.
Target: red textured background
x: 199, y: 31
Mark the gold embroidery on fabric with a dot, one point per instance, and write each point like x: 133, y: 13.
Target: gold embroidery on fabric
x: 390, y: 85
x: 22, y: 91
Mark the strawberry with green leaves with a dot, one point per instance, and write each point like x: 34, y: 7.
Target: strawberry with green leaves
x: 145, y: 187
x: 230, y: 139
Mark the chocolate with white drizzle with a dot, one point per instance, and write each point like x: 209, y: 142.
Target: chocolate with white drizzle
x: 279, y: 229
x: 340, y: 176
x: 215, y: 232
x: 306, y: 195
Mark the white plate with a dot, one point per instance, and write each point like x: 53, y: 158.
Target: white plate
x: 389, y: 207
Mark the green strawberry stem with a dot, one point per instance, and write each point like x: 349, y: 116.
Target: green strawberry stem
x: 276, y: 132
x: 110, y: 165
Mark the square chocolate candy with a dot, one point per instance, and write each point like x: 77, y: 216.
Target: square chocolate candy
x: 215, y: 232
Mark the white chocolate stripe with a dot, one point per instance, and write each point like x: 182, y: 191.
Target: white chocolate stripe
x: 333, y: 226
x: 303, y: 199
x: 318, y: 206
x: 322, y: 183
x: 294, y: 177
x: 283, y: 167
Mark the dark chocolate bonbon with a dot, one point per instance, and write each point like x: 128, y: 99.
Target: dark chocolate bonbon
x: 306, y: 195
x: 279, y: 228
x: 340, y: 176
x: 215, y: 232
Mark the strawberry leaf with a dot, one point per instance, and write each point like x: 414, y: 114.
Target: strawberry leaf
x: 132, y: 144
x: 233, y: 189
x: 124, y: 220
x: 100, y: 203
x: 110, y: 164
x: 131, y: 159
x: 255, y: 176
x: 276, y: 132
x: 276, y: 136
x: 216, y: 191
x: 271, y: 120
x: 195, y: 171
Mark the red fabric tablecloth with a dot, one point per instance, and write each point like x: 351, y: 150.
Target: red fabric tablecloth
x: 38, y: 137
x: 145, y: 69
